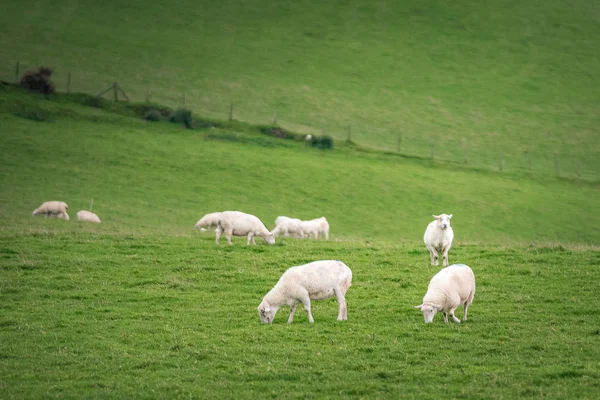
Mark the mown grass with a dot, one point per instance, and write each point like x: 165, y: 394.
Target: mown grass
x: 493, y: 79
x: 98, y: 315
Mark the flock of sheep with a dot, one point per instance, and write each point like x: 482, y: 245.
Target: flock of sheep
x: 451, y: 287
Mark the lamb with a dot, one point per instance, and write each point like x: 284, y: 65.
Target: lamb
x: 317, y: 280
x: 448, y: 289
x: 241, y: 224
x: 89, y: 216
x: 57, y: 209
x: 438, y: 238
x: 288, y: 226
x: 315, y: 227
x: 209, y: 220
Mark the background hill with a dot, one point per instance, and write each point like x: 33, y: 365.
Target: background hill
x: 493, y: 79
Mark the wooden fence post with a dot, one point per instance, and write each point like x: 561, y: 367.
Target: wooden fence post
x: 17, y: 72
x: 231, y: 111
x: 115, y: 92
x: 148, y: 95
x: 399, y: 146
x: 69, y: 83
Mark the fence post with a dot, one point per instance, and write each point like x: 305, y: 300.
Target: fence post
x: 399, y: 143
x: 349, y: 133
x: 116, y: 92
x: 69, y: 83
x: 17, y: 72
x: 322, y: 129
x: 231, y: 111
x: 501, y: 162
x: 148, y: 95
x: 465, y: 150
x: 556, y: 164
x: 579, y: 169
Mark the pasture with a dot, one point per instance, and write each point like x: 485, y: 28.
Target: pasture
x: 144, y: 306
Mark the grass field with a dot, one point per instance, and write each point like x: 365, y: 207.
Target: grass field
x: 493, y: 79
x: 144, y: 306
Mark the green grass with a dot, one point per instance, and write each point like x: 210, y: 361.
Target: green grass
x: 144, y: 306
x: 499, y: 79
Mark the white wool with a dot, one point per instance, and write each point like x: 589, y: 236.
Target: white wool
x: 89, y: 216
x: 448, y: 289
x: 438, y: 238
x: 313, y: 281
x: 55, y: 209
x: 316, y: 227
x: 209, y: 220
x: 288, y: 227
x: 237, y: 223
x: 308, y: 137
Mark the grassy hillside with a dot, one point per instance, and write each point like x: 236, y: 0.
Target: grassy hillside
x: 494, y: 79
x: 159, y: 177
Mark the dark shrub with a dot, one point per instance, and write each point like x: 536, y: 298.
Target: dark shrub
x: 33, y: 114
x: 182, y: 116
x: 38, y: 81
x: 322, y: 142
x: 153, y: 115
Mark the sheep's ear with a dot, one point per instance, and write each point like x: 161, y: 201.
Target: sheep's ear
x: 419, y: 306
x: 436, y: 216
x: 450, y: 216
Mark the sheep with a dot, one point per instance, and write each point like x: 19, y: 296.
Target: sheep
x: 56, y: 209
x: 89, y: 216
x: 317, y: 280
x: 209, y: 220
x: 241, y: 224
x: 438, y: 238
x: 315, y: 227
x: 280, y: 219
x: 288, y: 226
x: 448, y: 289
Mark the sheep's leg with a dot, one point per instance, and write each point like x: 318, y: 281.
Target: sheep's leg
x: 445, y: 316
x: 219, y: 231
x: 466, y: 305
x: 292, y: 311
x: 436, y: 258
x: 251, y: 238
x: 431, y: 257
x: 327, y: 235
x: 445, y: 257
x: 454, y: 316
x: 343, y: 309
x: 228, y: 235
x: 306, y: 302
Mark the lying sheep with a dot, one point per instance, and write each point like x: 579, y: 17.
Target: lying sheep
x: 448, y: 289
x: 209, y: 220
x: 438, y: 238
x: 89, y: 216
x: 316, y: 227
x: 241, y: 224
x: 56, y: 209
x: 313, y: 281
x: 288, y: 227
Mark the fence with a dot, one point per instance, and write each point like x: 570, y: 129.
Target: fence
x: 549, y: 158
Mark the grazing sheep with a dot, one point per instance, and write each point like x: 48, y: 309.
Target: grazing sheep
x: 448, y: 289
x: 56, y: 209
x: 280, y: 219
x: 317, y: 280
x: 241, y: 224
x: 315, y: 227
x: 438, y: 238
x: 89, y: 216
x: 209, y: 220
x: 288, y: 226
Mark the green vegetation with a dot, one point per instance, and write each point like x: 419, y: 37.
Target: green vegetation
x: 494, y: 79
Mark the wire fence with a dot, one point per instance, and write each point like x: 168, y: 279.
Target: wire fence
x: 548, y: 159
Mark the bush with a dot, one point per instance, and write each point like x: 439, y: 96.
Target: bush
x: 322, y: 142
x: 33, y: 114
x: 182, y: 116
x: 38, y: 81
x: 153, y: 115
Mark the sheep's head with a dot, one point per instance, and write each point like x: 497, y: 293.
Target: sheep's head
x: 429, y: 311
x: 266, y: 313
x: 270, y: 238
x: 443, y: 220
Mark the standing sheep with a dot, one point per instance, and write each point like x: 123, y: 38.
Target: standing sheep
x: 288, y: 226
x: 56, y: 209
x: 241, y: 224
x: 209, y: 220
x: 316, y: 227
x: 438, y: 238
x: 317, y: 280
x: 89, y: 216
x: 448, y: 289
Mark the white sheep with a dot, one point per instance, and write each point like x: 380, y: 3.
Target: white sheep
x: 448, y: 289
x: 438, y: 238
x: 209, y: 220
x: 317, y: 280
x: 316, y: 227
x: 56, y: 209
x: 241, y: 224
x: 288, y: 226
x: 89, y: 216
